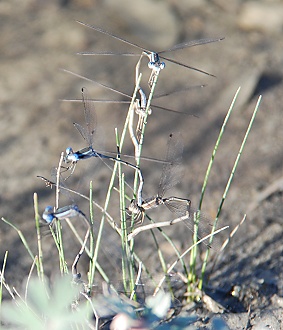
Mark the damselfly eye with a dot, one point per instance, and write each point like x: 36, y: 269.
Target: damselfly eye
x: 48, y: 209
x: 69, y: 151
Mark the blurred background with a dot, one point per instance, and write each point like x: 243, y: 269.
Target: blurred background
x: 38, y: 38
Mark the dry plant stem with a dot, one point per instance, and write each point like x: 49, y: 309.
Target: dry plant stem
x: 230, y: 181
x: 183, y: 254
x: 138, y: 230
x: 150, y: 96
x: 75, y: 273
x: 89, y: 253
x: 21, y: 237
x: 7, y: 287
x: 18, y: 295
x: 137, y: 189
x: 226, y: 242
x: 138, y: 74
x: 96, y: 327
x: 29, y: 276
x: 137, y: 281
x: 131, y: 116
x: 39, y: 263
x: 58, y: 180
x: 194, y: 251
x: 127, y: 264
x: 139, y: 150
x: 59, y: 237
x: 139, y: 107
x: 2, y: 280
x: 167, y: 238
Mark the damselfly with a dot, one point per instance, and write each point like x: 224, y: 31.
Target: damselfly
x: 87, y: 134
x: 112, y: 253
x: 171, y: 175
x: 64, y: 212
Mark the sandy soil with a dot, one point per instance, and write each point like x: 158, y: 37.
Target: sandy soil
x: 38, y: 39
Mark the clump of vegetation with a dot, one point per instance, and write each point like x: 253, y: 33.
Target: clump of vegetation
x: 71, y: 303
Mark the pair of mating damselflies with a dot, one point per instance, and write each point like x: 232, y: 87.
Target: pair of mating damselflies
x: 181, y: 207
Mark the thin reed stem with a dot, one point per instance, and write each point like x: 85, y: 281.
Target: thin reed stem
x: 2, y: 279
x: 170, y: 269
x: 229, y: 184
x: 58, y: 227
x: 91, y: 271
x: 89, y: 253
x: 39, y: 263
x: 193, y: 255
x: 21, y: 237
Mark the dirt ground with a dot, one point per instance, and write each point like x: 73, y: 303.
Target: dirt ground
x: 39, y: 38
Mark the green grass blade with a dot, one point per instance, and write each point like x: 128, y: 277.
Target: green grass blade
x: 193, y: 257
x: 39, y: 262
x: 230, y: 181
x: 91, y: 271
x: 58, y: 240
x: 21, y: 237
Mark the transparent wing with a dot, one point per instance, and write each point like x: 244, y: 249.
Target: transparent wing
x: 108, y: 54
x: 90, y: 118
x: 191, y: 43
x: 98, y: 29
x: 172, y: 170
x: 128, y: 96
x: 83, y: 132
x: 178, y: 206
x: 186, y: 66
x: 181, y: 206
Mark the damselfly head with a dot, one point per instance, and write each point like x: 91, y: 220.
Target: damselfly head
x: 48, y: 214
x: 48, y: 209
x: 154, y: 62
x: 69, y: 151
x: 71, y: 156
